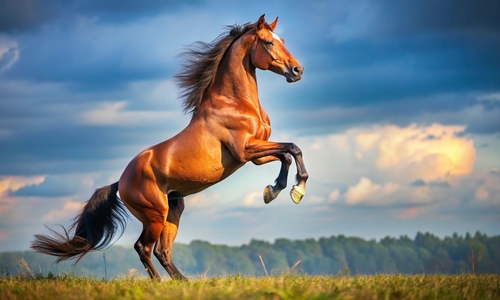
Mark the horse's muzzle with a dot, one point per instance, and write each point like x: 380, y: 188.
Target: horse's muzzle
x: 295, y: 74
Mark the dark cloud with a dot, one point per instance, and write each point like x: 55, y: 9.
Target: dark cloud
x: 356, y: 73
x: 89, y: 60
x: 408, y: 17
x: 19, y: 15
x: 485, y: 123
x: 22, y: 15
x: 419, y: 182
x: 398, y: 63
x: 121, y: 11
x: 70, y: 147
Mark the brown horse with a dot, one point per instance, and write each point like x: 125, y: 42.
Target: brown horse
x: 228, y: 128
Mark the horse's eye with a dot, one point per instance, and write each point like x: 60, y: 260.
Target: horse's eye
x: 269, y: 43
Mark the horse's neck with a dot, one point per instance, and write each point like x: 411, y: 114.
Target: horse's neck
x: 236, y: 78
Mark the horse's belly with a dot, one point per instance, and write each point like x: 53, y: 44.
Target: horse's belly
x: 189, y: 173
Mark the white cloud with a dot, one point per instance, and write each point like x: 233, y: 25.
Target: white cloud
x: 377, y: 164
x: 390, y: 153
x: 253, y: 199
x: 489, y: 189
x: 68, y: 211
x: 114, y: 113
x: 315, y: 199
x: 334, y: 196
x: 433, y: 152
x: 367, y: 191
x: 199, y: 200
x: 493, y: 97
x: 9, y: 184
x: 9, y: 53
x: 14, y: 183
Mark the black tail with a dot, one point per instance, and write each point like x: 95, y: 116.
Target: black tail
x: 103, y: 215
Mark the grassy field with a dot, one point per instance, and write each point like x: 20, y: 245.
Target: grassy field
x: 273, y: 287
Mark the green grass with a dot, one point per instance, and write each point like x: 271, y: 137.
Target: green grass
x: 240, y: 287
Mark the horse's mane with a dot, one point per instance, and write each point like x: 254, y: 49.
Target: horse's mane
x: 201, y: 62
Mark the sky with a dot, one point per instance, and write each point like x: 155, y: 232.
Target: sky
x: 397, y: 114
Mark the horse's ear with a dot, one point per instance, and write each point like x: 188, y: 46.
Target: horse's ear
x: 273, y: 24
x: 261, y: 22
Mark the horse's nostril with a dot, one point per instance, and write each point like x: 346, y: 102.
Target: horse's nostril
x: 297, y: 71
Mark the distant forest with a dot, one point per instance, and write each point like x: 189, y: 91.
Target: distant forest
x: 336, y: 255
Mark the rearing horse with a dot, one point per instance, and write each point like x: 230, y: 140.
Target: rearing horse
x: 228, y: 128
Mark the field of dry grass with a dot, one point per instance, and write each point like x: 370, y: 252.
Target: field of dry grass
x: 270, y: 287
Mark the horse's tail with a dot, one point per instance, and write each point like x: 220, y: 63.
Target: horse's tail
x: 102, y: 216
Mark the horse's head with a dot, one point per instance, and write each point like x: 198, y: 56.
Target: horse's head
x: 269, y: 52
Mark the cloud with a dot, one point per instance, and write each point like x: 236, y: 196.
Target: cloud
x: 493, y: 97
x: 391, y: 153
x: 365, y: 188
x: 393, y: 166
x: 118, y: 11
x: 334, y: 196
x: 433, y: 152
x: 480, y: 119
x: 9, y: 53
x: 86, y: 54
x: 55, y: 186
x: 11, y: 184
x: 25, y: 15
x: 386, y: 19
x: 114, y: 113
x: 410, y: 213
x: 391, y: 66
x: 68, y: 211
x: 388, y: 194
x: 488, y: 190
x: 254, y: 199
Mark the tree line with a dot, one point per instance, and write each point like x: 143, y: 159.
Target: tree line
x: 336, y: 255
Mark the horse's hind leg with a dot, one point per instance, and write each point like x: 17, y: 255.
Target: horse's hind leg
x: 163, y: 248
x: 144, y: 246
x: 152, y: 219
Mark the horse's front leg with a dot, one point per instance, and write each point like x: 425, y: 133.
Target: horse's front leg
x: 257, y: 149
x: 272, y: 191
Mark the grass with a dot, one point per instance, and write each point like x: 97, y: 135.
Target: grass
x: 270, y: 287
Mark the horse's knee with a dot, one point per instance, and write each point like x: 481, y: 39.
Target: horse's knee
x: 295, y: 150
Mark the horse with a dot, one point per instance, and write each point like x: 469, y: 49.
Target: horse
x: 228, y: 128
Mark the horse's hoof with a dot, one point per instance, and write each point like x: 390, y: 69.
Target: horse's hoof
x: 268, y: 194
x: 297, y: 193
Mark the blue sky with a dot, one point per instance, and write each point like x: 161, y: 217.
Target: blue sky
x: 397, y: 114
